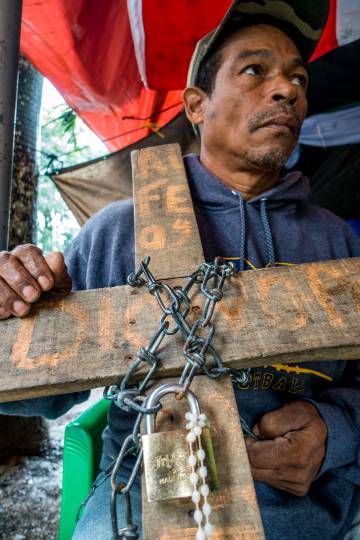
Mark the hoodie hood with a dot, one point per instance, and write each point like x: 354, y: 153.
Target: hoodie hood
x: 210, y: 193
x: 208, y: 190
x: 277, y: 227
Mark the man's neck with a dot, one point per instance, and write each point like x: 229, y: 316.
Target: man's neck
x: 247, y: 181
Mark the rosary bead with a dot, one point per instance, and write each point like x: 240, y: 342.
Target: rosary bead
x: 192, y: 460
x: 201, y: 420
x: 206, y: 509
x: 200, y: 535
x: 204, y: 490
x: 195, y: 425
x: 198, y: 516
x: 194, y: 478
x: 203, y: 471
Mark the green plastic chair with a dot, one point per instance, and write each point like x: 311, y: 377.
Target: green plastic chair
x: 81, y: 460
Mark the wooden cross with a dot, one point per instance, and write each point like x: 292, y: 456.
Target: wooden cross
x: 88, y: 339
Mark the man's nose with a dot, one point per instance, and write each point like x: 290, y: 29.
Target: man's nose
x: 284, y: 91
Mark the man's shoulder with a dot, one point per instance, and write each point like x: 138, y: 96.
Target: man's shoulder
x: 325, y: 217
x: 329, y: 227
x: 102, y: 255
x: 112, y: 224
x: 112, y: 213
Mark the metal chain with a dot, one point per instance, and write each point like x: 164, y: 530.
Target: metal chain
x: 199, y: 356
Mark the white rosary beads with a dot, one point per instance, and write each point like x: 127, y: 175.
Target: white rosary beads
x: 198, y: 475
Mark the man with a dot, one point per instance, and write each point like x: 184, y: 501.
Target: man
x: 247, y: 97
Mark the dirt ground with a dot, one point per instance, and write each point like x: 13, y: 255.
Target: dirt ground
x: 30, y: 487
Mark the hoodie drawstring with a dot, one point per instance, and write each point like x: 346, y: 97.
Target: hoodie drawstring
x: 242, y: 231
x: 270, y: 252
x: 268, y: 236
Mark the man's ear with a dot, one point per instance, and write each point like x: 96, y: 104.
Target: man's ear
x: 194, y: 100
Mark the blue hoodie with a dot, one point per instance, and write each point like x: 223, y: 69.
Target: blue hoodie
x: 278, y: 227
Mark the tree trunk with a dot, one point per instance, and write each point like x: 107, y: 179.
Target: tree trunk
x: 20, y: 435
x: 26, y: 155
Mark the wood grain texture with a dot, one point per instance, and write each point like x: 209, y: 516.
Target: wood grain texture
x: 88, y: 339
x: 164, y: 213
x: 235, y: 511
x: 165, y: 224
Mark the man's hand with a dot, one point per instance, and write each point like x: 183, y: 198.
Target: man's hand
x: 24, y: 274
x: 292, y: 448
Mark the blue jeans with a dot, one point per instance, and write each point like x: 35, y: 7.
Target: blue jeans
x: 95, y: 520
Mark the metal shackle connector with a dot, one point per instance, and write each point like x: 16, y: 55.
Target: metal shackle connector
x: 161, y: 391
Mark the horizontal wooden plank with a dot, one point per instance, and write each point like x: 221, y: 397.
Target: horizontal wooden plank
x: 89, y: 339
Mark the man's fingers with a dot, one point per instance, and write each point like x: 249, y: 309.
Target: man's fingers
x: 289, y: 461
x: 273, y: 476
x: 298, y: 489
x: 268, y: 454
x: 18, y: 278
x: 289, y: 474
x: 291, y: 416
x: 56, y: 263
x: 50, y: 272
x: 11, y: 303
x: 34, y: 262
x: 25, y: 274
x: 4, y: 313
x: 291, y: 450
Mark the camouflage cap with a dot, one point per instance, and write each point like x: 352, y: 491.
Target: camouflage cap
x: 303, y: 21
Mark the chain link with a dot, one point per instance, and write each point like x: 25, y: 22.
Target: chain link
x: 199, y: 355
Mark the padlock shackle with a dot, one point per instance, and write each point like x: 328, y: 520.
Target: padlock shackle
x: 161, y: 391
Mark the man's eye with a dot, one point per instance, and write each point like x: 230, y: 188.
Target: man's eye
x: 299, y: 80
x: 252, y: 70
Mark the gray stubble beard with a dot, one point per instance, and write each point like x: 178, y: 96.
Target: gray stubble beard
x: 271, y: 161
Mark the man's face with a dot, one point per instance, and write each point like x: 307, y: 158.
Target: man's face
x: 258, y: 103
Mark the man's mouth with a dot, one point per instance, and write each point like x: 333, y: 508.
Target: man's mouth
x: 283, y: 122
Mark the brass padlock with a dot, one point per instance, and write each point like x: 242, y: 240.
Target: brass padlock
x: 166, y: 454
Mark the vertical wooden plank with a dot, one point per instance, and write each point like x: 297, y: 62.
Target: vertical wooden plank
x: 165, y: 224
x: 166, y: 229
x: 235, y: 514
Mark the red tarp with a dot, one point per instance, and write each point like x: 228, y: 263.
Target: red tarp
x: 86, y: 48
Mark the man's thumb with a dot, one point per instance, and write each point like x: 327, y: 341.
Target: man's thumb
x: 56, y: 263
